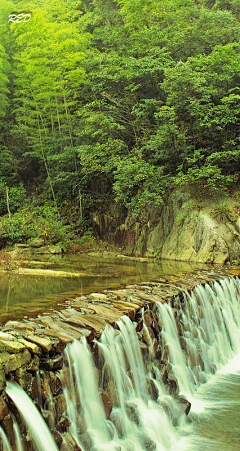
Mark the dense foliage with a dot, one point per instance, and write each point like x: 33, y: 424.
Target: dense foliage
x: 117, y: 99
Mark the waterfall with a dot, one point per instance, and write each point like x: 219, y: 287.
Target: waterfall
x: 171, y: 339
x: 135, y: 420
x: 17, y: 435
x: 4, y: 441
x: 118, y: 400
x: 41, y: 435
x: 208, y: 320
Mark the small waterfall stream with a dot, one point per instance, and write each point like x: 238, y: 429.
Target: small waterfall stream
x: 5, y: 444
x: 208, y: 320
x: 117, y: 400
x: 41, y: 435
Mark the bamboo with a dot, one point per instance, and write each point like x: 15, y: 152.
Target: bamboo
x: 7, y: 201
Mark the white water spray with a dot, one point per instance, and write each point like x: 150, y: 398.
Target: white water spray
x: 211, y: 332
x: 41, y: 435
x: 138, y: 423
x: 5, y: 443
x: 17, y: 435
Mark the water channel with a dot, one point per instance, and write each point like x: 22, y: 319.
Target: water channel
x: 39, y: 293
x: 214, y: 421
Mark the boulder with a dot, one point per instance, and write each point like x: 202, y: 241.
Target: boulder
x: 107, y: 404
x: 115, y: 418
x: 149, y: 317
x: 57, y: 438
x: 2, y: 375
x: 7, y: 424
x: 54, y: 364
x: 132, y: 411
x: 184, y: 405
x: 148, y: 336
x: 32, y: 347
x: 36, y: 243
x: 12, y: 347
x: 55, y: 249
x: 33, y: 364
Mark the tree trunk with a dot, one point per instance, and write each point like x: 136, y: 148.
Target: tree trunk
x: 7, y: 201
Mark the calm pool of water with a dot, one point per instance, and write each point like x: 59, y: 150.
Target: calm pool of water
x: 22, y: 295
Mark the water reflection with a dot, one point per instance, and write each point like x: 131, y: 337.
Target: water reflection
x: 22, y: 295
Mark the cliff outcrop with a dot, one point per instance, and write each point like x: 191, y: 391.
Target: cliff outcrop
x: 184, y: 229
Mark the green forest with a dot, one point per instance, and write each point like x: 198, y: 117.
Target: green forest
x: 108, y: 102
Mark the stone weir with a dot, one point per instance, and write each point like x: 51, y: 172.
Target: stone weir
x: 32, y: 350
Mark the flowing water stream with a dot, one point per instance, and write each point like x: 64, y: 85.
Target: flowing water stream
x: 205, y: 361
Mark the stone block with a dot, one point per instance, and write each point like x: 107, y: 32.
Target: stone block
x: 44, y: 343
x: 3, y: 408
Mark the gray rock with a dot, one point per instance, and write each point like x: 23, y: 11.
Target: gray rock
x: 132, y: 411
x: 185, y: 229
x: 36, y: 243
x: 55, y: 250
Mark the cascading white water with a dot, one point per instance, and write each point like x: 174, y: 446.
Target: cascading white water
x: 4, y: 441
x: 17, y: 435
x: 171, y: 339
x: 210, y: 317
x: 138, y: 422
x: 201, y: 333
x: 125, y: 348
x: 86, y: 394
x: 41, y: 435
x: 210, y: 333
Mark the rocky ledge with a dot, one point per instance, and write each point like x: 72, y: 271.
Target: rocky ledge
x: 31, y: 350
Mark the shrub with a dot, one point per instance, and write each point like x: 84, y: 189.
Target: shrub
x: 17, y: 197
x: 39, y: 222
x: 222, y: 212
x: 16, y: 229
x: 48, y: 225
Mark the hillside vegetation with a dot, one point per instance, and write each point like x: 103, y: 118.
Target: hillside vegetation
x: 107, y: 101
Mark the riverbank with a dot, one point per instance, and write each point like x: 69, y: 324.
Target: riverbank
x: 24, y: 258
x: 184, y: 228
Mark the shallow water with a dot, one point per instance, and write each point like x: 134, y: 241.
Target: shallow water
x: 22, y: 295
x: 218, y: 426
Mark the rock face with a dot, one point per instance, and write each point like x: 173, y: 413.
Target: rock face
x: 199, y: 234
x: 184, y: 229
